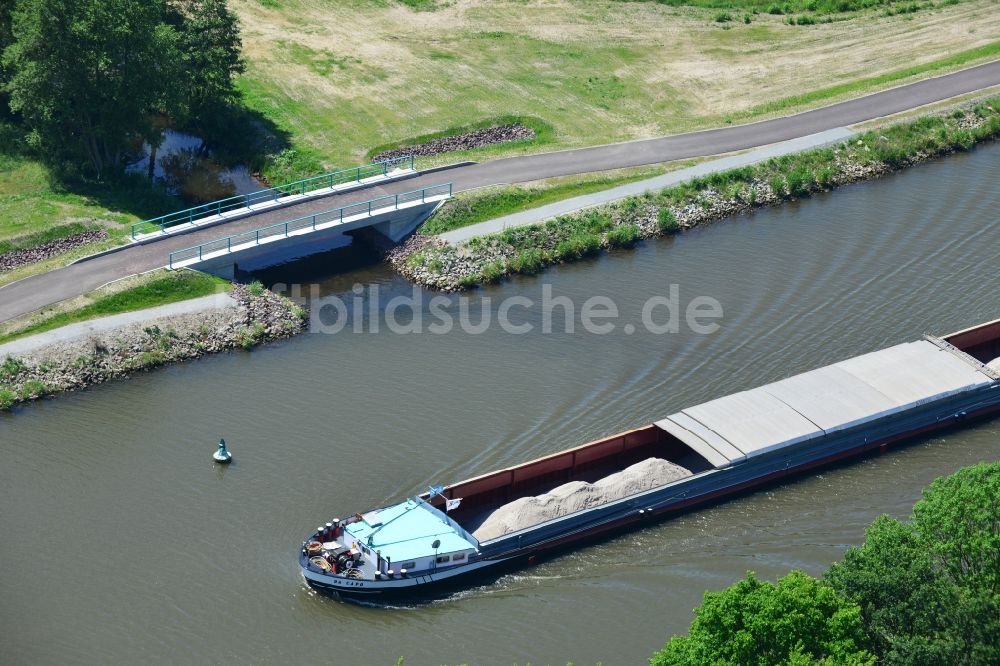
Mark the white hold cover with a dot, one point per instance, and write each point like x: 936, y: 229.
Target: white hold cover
x: 861, y: 389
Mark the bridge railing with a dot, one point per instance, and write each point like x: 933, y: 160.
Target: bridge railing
x: 255, y: 236
x: 192, y: 215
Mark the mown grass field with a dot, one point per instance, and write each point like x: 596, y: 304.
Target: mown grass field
x: 30, y: 202
x: 344, y: 77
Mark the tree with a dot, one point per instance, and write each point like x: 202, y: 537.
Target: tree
x: 6, y: 39
x: 210, y: 57
x: 6, y: 16
x: 908, y: 609
x: 756, y: 623
x: 87, y: 75
x: 928, y: 589
x: 958, y: 519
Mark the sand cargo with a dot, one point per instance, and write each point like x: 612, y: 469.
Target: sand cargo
x: 703, y: 453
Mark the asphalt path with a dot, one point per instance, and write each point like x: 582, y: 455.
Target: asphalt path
x: 51, y: 287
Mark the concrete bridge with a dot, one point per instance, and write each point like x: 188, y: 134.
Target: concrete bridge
x: 394, y: 216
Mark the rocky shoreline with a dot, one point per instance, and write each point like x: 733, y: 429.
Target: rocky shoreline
x: 432, y: 262
x: 259, y: 316
x: 30, y: 255
x: 467, y: 141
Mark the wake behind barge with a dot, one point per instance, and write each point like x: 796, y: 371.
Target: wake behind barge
x: 703, y: 453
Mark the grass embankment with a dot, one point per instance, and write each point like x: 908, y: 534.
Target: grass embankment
x: 480, y: 205
x: 345, y: 78
x: 529, y: 249
x: 160, y: 288
x: 38, y: 206
x: 871, y: 83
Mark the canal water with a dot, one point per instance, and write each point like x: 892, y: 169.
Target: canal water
x: 120, y: 542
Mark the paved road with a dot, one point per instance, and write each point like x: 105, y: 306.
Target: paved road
x: 41, y: 290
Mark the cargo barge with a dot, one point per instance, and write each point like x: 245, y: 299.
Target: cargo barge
x: 510, y: 517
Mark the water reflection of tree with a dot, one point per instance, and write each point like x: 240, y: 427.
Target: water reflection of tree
x: 195, y: 177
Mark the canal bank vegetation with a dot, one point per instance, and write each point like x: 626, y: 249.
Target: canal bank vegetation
x: 921, y: 591
x: 467, y: 208
x: 253, y: 316
x: 529, y: 249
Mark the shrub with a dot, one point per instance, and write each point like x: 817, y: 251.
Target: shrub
x: 578, y: 245
x: 468, y: 281
x: 963, y: 139
x: 624, y: 235
x: 12, y: 367
x: 723, y: 17
x: 798, y: 621
x: 929, y: 589
x: 805, y: 19
x: 746, y: 19
x: 32, y: 389
x: 629, y: 208
x: 776, y: 10
x: 666, y: 221
x: 596, y: 220
x: 251, y: 335
x: 777, y: 184
x: 800, y: 181
x: 492, y: 272
x: 7, y: 398
x: 958, y: 517
x: 528, y: 261
x: 144, y: 361
x: 255, y: 288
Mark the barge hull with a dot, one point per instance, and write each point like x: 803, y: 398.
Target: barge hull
x: 727, y: 446
x: 495, y: 565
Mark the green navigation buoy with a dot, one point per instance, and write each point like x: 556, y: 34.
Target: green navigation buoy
x: 222, y: 456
